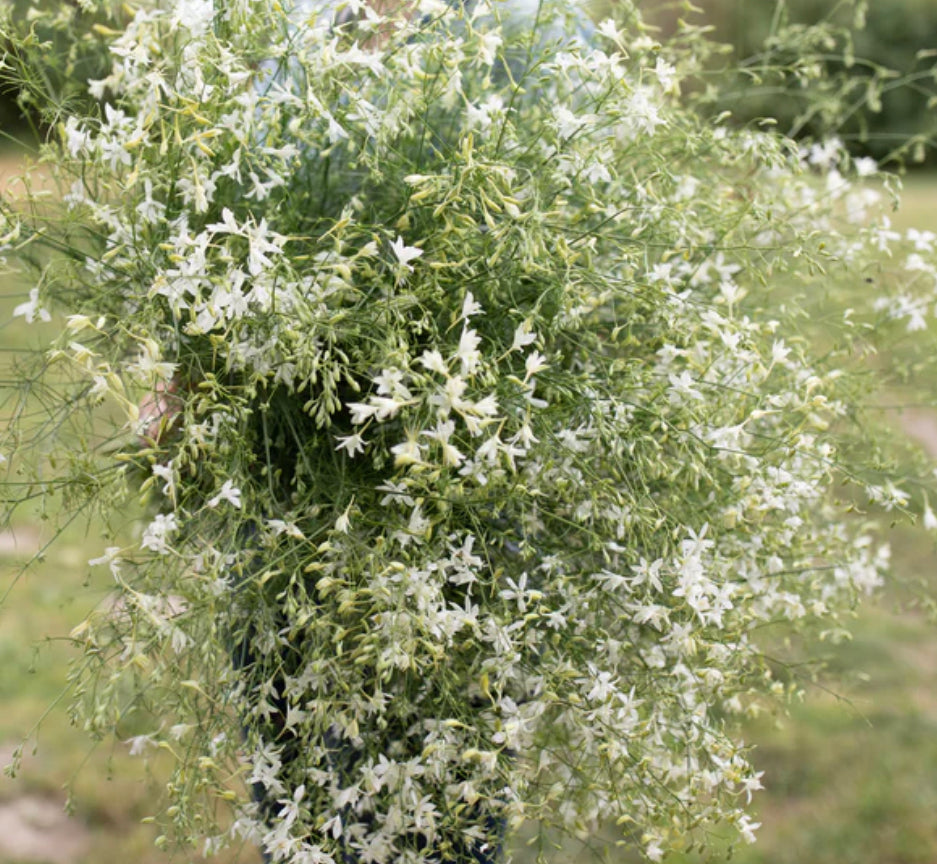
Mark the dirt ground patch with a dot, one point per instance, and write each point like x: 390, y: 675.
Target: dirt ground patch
x: 36, y: 828
x: 921, y: 425
x: 12, y: 167
x: 23, y: 541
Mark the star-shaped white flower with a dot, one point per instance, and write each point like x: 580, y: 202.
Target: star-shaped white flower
x: 31, y: 309
x: 405, y: 254
x: 228, y: 492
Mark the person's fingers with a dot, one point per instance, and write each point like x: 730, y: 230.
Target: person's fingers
x: 157, y: 409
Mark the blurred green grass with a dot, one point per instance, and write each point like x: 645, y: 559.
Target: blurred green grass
x: 850, y: 775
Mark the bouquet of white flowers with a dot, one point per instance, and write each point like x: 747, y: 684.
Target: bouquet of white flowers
x: 477, y: 445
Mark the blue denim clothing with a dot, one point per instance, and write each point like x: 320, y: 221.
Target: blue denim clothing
x: 516, y: 16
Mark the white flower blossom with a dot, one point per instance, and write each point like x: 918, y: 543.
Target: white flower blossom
x: 31, y: 310
x: 351, y: 444
x: 228, y: 492
x: 929, y: 519
x: 523, y: 336
x: 139, y: 744
x: 166, y: 473
x: 157, y: 533
x: 405, y: 254
x: 111, y: 558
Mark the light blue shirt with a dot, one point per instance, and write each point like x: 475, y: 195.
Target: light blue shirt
x: 516, y: 14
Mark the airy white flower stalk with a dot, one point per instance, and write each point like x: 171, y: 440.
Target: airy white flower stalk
x: 487, y: 451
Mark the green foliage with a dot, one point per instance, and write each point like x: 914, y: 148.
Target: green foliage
x: 877, y: 70
x: 73, y: 49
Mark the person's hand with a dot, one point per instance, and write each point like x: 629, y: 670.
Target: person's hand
x: 157, y: 411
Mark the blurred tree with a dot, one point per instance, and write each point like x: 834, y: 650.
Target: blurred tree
x: 890, y: 50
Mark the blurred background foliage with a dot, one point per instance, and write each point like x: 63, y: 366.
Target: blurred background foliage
x: 77, y: 53
x: 888, y: 49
